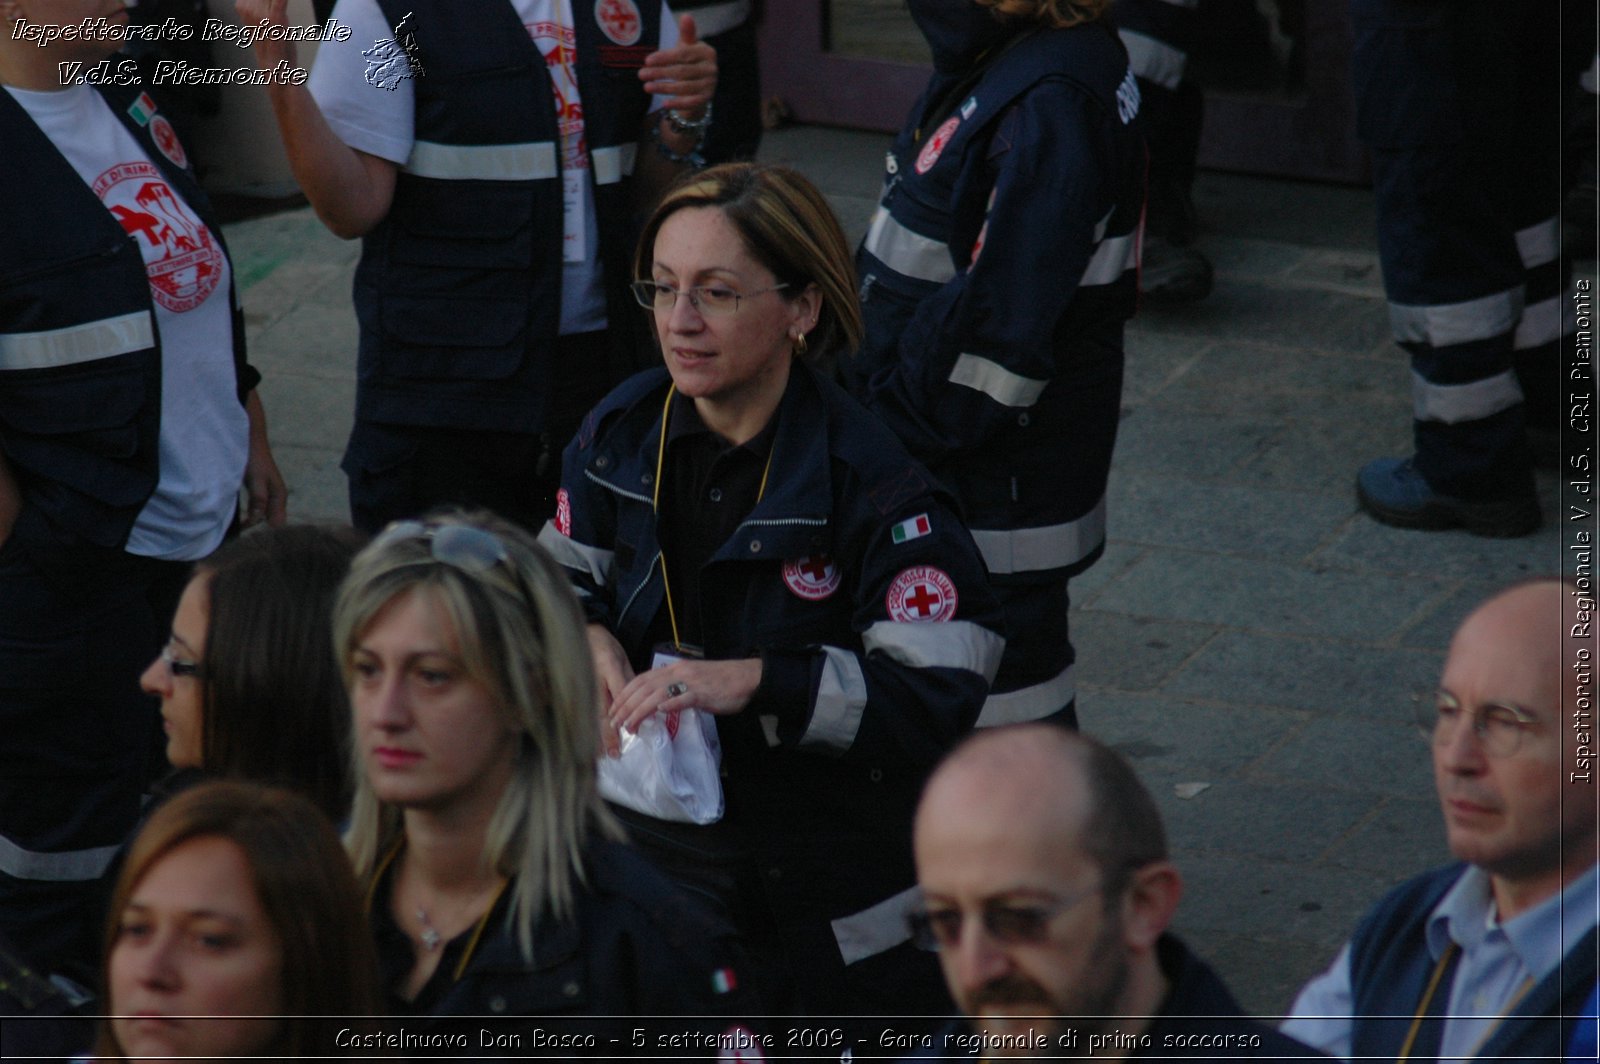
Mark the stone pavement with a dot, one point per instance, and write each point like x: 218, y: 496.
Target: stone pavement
x: 1250, y: 641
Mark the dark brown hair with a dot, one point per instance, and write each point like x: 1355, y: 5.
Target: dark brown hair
x: 275, y: 708
x: 303, y: 879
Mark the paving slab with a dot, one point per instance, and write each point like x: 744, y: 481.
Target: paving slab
x: 1266, y: 595
x: 1171, y: 740
x: 1132, y: 653
x: 1400, y: 833
x: 1224, y: 517
x: 1331, y: 321
x: 1306, y: 674
x: 1386, y: 757
x: 1276, y: 381
x: 1187, y: 443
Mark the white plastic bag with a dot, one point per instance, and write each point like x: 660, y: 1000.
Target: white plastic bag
x: 670, y: 768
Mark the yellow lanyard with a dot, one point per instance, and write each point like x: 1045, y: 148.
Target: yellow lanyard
x: 1427, y: 997
x: 655, y: 506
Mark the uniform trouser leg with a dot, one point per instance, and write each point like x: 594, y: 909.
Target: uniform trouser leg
x: 1035, y: 681
x: 1450, y: 97
x: 403, y: 471
x: 78, y: 743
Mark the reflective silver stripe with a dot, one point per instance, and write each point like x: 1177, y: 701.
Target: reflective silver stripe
x: 952, y: 645
x: 571, y: 554
x: 718, y: 18
x: 1028, y: 703
x: 613, y: 164
x: 878, y: 929
x: 1541, y: 324
x: 1540, y: 243
x: 1110, y: 260
x: 841, y: 698
x: 1026, y: 550
x: 68, y: 866
x: 1457, y: 323
x: 1451, y: 403
x: 105, y: 338
x: 994, y: 380
x: 908, y: 253
x: 533, y: 161
x: 1153, y: 60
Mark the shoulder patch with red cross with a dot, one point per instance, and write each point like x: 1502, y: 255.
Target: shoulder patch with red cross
x: 564, y: 513
x: 921, y: 593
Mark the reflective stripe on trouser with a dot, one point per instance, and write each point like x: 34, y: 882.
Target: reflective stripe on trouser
x: 1469, y: 258
x: 1035, y: 681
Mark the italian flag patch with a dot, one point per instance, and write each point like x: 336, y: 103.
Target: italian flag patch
x: 911, y: 528
x: 142, y: 109
x: 723, y: 981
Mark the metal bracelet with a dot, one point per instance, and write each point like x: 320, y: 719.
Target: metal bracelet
x: 686, y: 126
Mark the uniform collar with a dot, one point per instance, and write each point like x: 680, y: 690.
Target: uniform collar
x: 1539, y: 937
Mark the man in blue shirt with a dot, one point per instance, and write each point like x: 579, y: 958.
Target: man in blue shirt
x: 1491, y: 958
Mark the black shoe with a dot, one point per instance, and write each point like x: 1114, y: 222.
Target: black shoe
x: 1393, y: 492
x: 1170, y: 273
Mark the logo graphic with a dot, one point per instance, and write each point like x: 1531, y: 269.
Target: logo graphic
x: 935, y: 145
x: 619, y: 19
x: 564, y: 513
x: 392, y: 60
x: 921, y: 593
x: 182, y: 259
x: 166, y: 139
x: 813, y: 578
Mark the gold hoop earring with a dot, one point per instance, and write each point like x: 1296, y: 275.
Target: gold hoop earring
x: 800, y: 344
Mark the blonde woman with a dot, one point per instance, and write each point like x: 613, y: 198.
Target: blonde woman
x: 495, y: 882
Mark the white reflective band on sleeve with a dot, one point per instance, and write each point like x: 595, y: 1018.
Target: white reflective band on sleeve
x: 1113, y: 258
x: 1540, y: 243
x: 535, y: 161
x: 68, y: 866
x: 1153, y: 60
x: 571, y: 554
x: 718, y: 18
x: 952, y: 645
x: 1452, y: 403
x: 841, y: 698
x: 1026, y: 550
x: 878, y: 929
x: 105, y: 338
x: 1542, y: 324
x: 908, y: 253
x: 994, y: 380
x: 1028, y: 703
x: 1457, y: 323
x: 613, y: 164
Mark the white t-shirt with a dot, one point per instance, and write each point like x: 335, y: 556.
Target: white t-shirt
x: 378, y: 121
x: 204, y: 430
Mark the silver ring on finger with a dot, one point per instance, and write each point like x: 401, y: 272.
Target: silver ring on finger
x: 677, y: 689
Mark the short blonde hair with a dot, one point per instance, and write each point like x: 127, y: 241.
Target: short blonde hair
x: 521, y: 635
x: 788, y: 226
x: 1055, y: 13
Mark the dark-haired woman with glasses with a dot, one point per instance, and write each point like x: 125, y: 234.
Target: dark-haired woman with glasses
x: 495, y: 882
x: 749, y: 541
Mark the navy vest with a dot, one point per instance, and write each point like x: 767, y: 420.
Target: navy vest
x: 80, y: 359
x: 1389, y: 971
x: 458, y: 292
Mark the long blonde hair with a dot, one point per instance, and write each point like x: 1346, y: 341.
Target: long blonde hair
x: 521, y: 635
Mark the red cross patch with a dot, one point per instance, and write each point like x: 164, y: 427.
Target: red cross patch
x: 619, y: 20
x: 564, y: 513
x: 813, y: 578
x: 921, y: 593
x: 166, y: 139
x: 930, y: 151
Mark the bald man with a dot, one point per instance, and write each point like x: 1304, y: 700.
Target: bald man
x: 1047, y: 893
x: 1491, y: 957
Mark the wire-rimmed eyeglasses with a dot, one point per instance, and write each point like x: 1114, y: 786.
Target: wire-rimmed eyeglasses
x: 1499, y: 728
x: 712, y: 299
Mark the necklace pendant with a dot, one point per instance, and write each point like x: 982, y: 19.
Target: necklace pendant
x: 429, y: 936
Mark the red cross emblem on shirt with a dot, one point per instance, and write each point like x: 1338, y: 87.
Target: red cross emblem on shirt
x: 813, y: 578
x: 921, y: 593
x: 620, y: 20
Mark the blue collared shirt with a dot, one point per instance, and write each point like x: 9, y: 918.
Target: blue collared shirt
x: 1498, y: 961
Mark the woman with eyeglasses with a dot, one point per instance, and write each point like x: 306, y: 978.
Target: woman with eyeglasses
x: 248, y: 681
x: 749, y: 541
x: 495, y: 882
x: 236, y: 931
